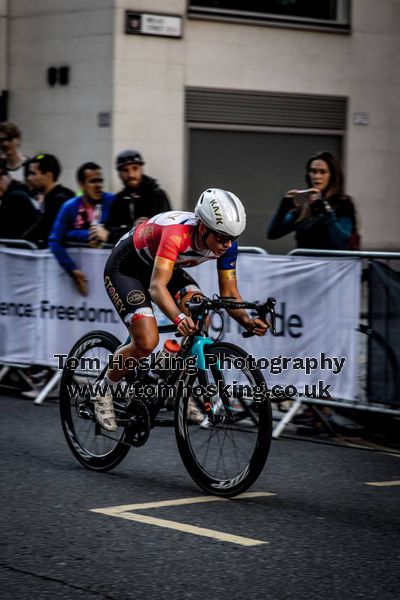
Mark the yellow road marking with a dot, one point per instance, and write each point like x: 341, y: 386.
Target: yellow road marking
x: 370, y: 445
x: 123, y: 512
x: 383, y: 483
x: 210, y: 533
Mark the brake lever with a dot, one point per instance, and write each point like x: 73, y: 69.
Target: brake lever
x: 271, y: 309
x: 267, y: 308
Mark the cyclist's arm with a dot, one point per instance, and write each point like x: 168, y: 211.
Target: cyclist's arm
x: 159, y: 292
x: 228, y: 287
x: 161, y: 296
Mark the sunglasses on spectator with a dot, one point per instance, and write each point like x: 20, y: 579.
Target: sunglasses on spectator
x: 222, y: 238
x: 96, y: 180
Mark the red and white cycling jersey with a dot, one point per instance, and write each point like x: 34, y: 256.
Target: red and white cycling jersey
x: 169, y: 240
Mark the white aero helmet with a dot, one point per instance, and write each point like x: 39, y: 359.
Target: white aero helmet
x: 221, y: 211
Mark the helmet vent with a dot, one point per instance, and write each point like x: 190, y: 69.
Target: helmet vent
x: 233, y: 206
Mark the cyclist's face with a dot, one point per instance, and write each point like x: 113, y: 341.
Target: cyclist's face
x: 219, y: 243
x: 131, y: 175
x: 319, y: 175
x: 92, y: 187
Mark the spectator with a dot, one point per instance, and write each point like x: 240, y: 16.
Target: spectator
x: 140, y: 199
x: 326, y: 218
x: 42, y: 177
x: 10, y: 143
x: 17, y: 210
x: 77, y: 221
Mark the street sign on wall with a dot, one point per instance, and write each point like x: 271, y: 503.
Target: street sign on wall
x: 153, y: 24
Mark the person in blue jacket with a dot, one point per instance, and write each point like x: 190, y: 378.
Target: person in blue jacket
x: 79, y: 221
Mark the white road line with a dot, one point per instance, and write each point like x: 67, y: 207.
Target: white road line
x: 122, y: 512
x: 383, y: 483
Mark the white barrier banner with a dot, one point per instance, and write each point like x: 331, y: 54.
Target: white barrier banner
x: 318, y: 307
x: 315, y: 351
x: 42, y: 313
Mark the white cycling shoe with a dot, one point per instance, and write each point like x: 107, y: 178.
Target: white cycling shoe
x: 104, y: 412
x: 194, y: 414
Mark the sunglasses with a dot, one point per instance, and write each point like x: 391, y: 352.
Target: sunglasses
x: 222, y: 238
x: 6, y: 138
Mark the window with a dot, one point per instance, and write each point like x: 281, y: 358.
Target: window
x: 319, y: 13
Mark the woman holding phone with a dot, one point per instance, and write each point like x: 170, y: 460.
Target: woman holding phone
x: 322, y: 216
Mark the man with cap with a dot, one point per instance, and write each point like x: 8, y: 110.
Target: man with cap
x: 140, y: 199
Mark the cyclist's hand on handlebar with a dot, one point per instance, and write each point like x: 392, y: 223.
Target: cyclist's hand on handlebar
x: 186, y: 326
x: 257, y: 326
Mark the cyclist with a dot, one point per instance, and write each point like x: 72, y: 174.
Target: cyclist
x: 147, y: 265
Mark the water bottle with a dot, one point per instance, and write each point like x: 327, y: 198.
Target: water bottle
x: 163, y: 358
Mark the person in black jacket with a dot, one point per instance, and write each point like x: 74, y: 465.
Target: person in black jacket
x: 322, y: 217
x: 18, y: 211
x: 43, y: 173
x: 140, y: 199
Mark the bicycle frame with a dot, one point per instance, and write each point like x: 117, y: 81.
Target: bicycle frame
x: 224, y: 455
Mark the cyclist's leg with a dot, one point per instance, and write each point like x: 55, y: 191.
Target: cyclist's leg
x: 131, y: 298
x: 134, y: 308
x: 143, y: 334
x: 183, y: 288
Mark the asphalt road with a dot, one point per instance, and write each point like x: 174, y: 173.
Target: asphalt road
x: 326, y: 533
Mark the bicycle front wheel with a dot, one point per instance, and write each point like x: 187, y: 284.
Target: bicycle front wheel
x: 226, y: 453
x: 93, y: 447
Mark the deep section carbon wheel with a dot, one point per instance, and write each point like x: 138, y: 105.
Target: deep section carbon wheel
x: 225, y: 453
x: 93, y: 446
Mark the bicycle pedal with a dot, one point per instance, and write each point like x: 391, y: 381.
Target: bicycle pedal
x: 86, y: 415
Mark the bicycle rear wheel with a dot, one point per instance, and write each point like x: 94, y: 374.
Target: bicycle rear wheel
x: 93, y: 447
x: 227, y: 452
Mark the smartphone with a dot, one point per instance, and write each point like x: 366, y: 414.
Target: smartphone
x: 302, y: 196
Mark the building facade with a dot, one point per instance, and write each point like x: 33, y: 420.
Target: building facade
x: 214, y: 93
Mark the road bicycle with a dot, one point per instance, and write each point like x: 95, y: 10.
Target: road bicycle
x: 226, y: 452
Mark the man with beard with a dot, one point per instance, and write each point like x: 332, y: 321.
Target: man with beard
x: 140, y: 199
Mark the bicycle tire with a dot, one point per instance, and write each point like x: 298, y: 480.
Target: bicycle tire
x: 190, y: 439
x: 84, y: 435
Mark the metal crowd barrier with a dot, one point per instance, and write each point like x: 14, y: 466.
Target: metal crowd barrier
x: 252, y: 250
x: 364, y: 405
x: 20, y: 369
x: 361, y: 404
x: 18, y: 244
